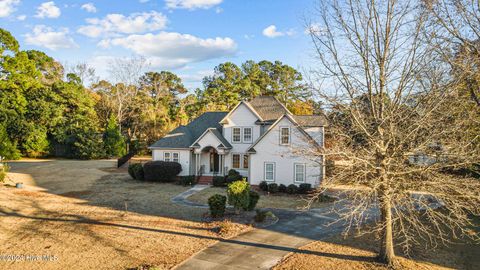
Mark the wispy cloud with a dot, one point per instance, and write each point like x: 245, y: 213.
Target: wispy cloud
x: 191, y: 4
x: 44, y: 36
x: 174, y: 50
x: 48, y: 10
x: 272, y: 32
x: 89, y: 7
x: 7, y: 7
x: 115, y: 24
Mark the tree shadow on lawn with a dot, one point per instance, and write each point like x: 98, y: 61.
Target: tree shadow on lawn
x: 118, y: 191
x: 82, y: 220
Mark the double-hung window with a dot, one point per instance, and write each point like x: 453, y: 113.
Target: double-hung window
x: 245, y: 161
x: 284, y: 135
x: 236, y: 135
x: 269, y: 172
x: 247, y: 135
x: 236, y: 161
x: 175, y: 157
x: 166, y: 156
x: 299, y: 172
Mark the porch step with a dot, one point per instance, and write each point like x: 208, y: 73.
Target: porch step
x: 205, y: 180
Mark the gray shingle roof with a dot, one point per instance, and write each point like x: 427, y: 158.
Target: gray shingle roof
x: 184, y: 136
x: 269, y: 108
x: 221, y: 138
x: 310, y: 120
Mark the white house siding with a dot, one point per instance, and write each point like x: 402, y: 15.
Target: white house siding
x: 284, y: 157
x: 241, y: 117
x: 184, y: 155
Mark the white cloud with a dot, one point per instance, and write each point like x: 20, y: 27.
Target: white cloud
x: 48, y: 10
x: 89, y: 7
x: 271, y: 32
x: 218, y: 10
x: 7, y: 7
x: 44, y: 36
x: 191, y: 4
x: 21, y: 17
x: 114, y: 24
x: 174, y: 50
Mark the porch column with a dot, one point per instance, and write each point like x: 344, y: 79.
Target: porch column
x: 197, y: 165
x: 221, y: 164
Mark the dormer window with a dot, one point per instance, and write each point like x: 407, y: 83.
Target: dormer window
x: 284, y: 135
x: 236, y: 135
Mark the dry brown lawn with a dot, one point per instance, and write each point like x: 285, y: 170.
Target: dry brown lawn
x: 356, y: 253
x: 102, y: 220
x: 278, y: 200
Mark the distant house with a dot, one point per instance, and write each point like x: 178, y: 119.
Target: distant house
x: 260, y: 138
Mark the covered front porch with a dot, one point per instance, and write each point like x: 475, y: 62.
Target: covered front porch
x: 208, y: 154
x: 209, y: 161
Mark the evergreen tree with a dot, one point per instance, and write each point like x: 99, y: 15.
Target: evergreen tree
x: 113, y: 141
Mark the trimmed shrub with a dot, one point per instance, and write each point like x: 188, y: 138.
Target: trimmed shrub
x: 139, y: 173
x: 262, y: 215
x: 131, y: 169
x: 304, y: 188
x: 282, y: 188
x: 187, y: 180
x: 219, y: 181
x: 161, y: 171
x: 292, y: 189
x: 254, y: 197
x: 238, y: 194
x: 272, y: 188
x: 217, y: 203
x: 233, y: 176
x: 232, y: 172
x: 263, y: 186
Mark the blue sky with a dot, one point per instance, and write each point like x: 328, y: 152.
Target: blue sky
x: 187, y: 37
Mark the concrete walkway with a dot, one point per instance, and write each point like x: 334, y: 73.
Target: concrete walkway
x: 264, y: 248
x: 181, y: 198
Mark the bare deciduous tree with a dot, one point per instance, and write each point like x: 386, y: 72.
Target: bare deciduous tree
x: 85, y: 72
x: 389, y: 103
x: 454, y: 32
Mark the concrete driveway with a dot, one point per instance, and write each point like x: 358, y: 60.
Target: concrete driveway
x: 264, y: 248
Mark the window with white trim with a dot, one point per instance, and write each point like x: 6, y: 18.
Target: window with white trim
x: 284, y: 135
x: 247, y: 135
x: 299, y: 172
x: 236, y: 161
x: 245, y: 161
x: 269, y: 172
x: 166, y: 156
x: 236, y: 135
x: 175, y: 157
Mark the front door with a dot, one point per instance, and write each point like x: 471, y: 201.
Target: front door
x: 214, y: 162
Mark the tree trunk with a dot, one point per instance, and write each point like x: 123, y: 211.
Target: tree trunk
x: 386, y: 254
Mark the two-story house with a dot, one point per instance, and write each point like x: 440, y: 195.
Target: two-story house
x: 260, y: 138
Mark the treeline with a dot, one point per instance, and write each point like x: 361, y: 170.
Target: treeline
x: 47, y: 111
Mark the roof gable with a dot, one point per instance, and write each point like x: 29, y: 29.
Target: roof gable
x: 251, y: 149
x: 244, y: 103
x: 223, y: 143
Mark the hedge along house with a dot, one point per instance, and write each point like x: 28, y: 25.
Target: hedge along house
x: 260, y: 138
